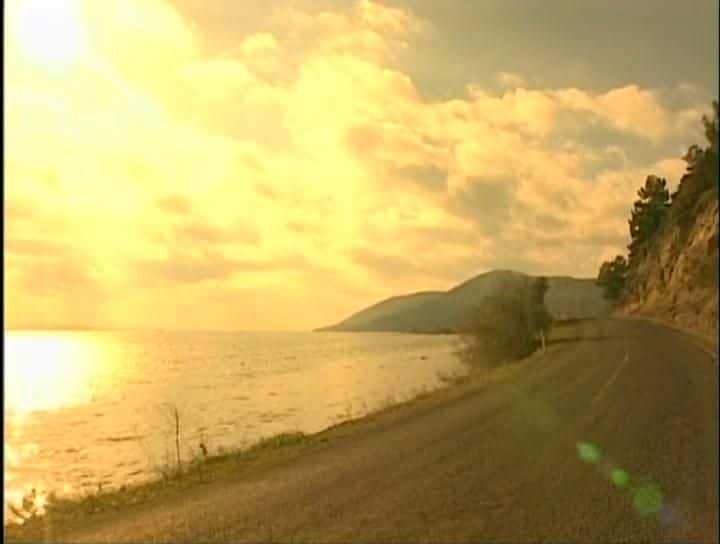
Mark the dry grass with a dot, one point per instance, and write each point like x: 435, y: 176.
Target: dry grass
x: 94, y: 499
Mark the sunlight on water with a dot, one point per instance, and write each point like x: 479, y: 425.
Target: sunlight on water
x: 91, y: 410
x: 45, y: 371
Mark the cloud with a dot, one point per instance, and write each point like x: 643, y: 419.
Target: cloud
x: 487, y: 201
x: 183, y: 268
x: 416, y: 272
x: 198, y: 233
x: 369, y: 30
x: 546, y: 222
x: 34, y: 247
x: 54, y: 276
x: 629, y: 109
x: 296, y: 156
x: 510, y: 80
x: 175, y: 205
x: 259, y: 43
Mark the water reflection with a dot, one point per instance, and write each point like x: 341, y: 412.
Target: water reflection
x: 90, y: 410
x: 46, y: 371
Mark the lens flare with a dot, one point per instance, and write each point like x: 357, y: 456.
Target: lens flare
x: 648, y: 500
x: 588, y: 452
x: 619, y: 477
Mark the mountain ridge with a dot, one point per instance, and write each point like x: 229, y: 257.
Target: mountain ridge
x: 448, y: 311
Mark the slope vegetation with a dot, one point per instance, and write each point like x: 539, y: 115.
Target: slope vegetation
x: 673, y: 275
x: 678, y: 280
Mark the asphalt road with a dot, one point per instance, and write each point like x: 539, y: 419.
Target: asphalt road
x: 611, y: 435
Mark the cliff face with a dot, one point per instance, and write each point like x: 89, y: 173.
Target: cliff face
x: 678, y: 280
x: 567, y: 298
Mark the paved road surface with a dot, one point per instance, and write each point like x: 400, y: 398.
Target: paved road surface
x: 611, y: 435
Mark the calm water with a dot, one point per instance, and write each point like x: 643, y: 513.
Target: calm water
x: 85, y: 409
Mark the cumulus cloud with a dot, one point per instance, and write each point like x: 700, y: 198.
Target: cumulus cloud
x: 302, y: 156
x: 508, y: 79
x: 259, y: 43
x: 175, y: 205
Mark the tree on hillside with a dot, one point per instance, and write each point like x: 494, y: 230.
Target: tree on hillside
x: 701, y: 173
x: 711, y: 129
x: 697, y: 188
x: 612, y: 277
x: 696, y: 155
x: 647, y: 215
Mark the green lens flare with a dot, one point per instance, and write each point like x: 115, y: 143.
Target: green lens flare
x: 648, y: 500
x: 619, y: 477
x: 588, y: 452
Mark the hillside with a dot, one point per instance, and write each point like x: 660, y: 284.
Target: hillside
x: 673, y: 276
x: 449, y: 311
x: 677, y: 281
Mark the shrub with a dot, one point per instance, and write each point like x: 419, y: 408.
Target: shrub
x: 500, y: 332
x: 508, y: 326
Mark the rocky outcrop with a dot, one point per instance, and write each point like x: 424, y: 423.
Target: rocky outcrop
x: 678, y: 280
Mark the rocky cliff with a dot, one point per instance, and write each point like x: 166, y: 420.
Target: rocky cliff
x: 678, y: 280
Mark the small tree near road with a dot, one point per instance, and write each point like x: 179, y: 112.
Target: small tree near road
x: 509, y: 326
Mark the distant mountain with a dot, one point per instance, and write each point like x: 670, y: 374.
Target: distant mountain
x: 449, y: 311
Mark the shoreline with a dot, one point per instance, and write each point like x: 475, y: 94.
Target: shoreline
x: 104, y: 506
x: 76, y: 456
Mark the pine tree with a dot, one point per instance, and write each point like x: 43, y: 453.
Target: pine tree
x: 647, y: 216
x: 612, y: 277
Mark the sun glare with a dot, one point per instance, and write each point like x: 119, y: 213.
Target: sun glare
x: 50, y: 31
x: 45, y: 371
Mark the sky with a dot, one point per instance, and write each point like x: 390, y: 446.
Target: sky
x: 264, y: 165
